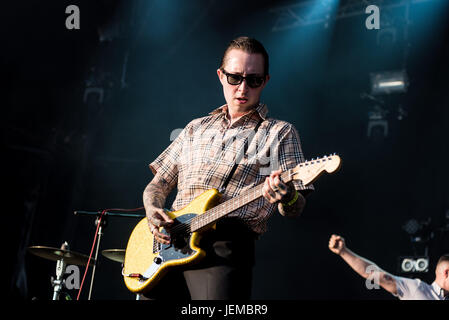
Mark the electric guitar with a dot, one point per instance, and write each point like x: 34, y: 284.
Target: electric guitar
x: 147, y: 261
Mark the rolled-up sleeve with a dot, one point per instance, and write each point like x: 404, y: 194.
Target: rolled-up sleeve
x: 406, y: 288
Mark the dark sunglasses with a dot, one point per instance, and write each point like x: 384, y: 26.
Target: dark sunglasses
x: 236, y: 79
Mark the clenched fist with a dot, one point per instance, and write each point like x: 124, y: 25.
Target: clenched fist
x: 337, y: 244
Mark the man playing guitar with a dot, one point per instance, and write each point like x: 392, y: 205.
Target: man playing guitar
x: 204, y: 156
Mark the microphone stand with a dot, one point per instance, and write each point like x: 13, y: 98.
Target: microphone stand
x: 101, y: 215
x: 100, y: 233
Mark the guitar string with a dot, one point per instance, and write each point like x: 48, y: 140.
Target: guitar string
x: 209, y: 213
x: 184, y: 226
x: 187, y: 224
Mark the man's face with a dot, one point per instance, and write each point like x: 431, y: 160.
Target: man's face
x: 241, y: 97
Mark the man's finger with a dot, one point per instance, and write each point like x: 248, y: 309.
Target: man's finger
x: 271, y: 189
x: 161, y: 219
x: 166, y: 217
x: 274, y: 185
x: 161, y: 237
x: 269, y: 194
x: 282, y: 187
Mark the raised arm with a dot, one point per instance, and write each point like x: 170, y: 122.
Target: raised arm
x: 362, y: 266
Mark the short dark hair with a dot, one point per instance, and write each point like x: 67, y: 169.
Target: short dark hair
x: 248, y: 45
x: 444, y: 257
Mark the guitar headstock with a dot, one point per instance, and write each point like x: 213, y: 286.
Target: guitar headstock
x: 309, y: 171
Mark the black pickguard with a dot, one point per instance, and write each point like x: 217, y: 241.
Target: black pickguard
x: 179, y: 247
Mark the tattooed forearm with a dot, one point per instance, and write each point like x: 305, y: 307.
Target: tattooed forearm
x: 156, y: 193
x: 295, y: 209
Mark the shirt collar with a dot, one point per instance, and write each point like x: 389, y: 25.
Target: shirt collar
x: 261, y: 110
x: 438, y: 289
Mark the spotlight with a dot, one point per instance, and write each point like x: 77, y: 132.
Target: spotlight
x: 413, y: 264
x: 422, y: 265
x: 407, y: 265
x: 388, y: 82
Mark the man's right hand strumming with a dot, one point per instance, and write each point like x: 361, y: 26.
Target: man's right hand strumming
x: 158, y: 218
x: 154, y: 199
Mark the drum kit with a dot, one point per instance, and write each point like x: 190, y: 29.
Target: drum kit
x: 64, y: 257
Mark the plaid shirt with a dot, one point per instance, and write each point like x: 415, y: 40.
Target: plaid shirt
x: 203, y: 154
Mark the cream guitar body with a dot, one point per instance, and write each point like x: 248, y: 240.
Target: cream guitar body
x: 147, y: 261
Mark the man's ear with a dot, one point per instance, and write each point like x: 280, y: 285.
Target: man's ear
x: 267, y: 77
x: 220, y: 76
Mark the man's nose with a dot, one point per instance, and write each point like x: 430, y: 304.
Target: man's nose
x: 243, y: 86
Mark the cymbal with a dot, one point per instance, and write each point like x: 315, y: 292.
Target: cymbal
x: 55, y: 254
x: 117, y: 255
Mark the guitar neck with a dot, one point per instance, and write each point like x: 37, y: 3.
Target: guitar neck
x: 307, y: 172
x: 223, y: 209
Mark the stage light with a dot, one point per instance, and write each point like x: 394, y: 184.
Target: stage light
x: 388, y: 82
x: 422, y: 265
x: 305, y: 13
x: 407, y: 265
x: 414, y: 264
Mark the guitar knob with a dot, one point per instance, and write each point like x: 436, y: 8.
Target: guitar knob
x: 157, y: 260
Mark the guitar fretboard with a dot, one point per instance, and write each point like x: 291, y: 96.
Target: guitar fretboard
x: 219, y: 211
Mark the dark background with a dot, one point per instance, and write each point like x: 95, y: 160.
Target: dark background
x: 156, y: 63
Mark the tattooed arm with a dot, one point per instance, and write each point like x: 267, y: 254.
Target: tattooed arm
x: 154, y: 197
x: 362, y: 266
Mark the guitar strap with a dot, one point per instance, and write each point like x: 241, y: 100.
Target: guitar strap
x: 247, y: 144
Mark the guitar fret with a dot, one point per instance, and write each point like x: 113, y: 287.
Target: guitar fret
x: 231, y: 205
